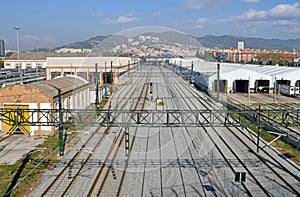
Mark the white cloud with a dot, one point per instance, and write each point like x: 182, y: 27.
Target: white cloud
x: 201, y: 4
x: 293, y: 30
x: 279, y: 12
x: 285, y: 18
x: 252, y: 14
x: 284, y: 23
x: 196, y: 24
x: 30, y: 37
x: 32, y: 41
x: 155, y: 14
x: 285, y: 10
x: 121, y: 20
x: 95, y: 13
x: 199, y: 24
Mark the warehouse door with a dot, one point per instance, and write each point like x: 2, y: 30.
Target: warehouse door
x: 107, y: 78
x: 17, y: 119
x: 281, y: 82
x: 241, y: 86
x: 262, y: 86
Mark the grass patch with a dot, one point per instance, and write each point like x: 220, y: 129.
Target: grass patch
x: 12, y: 174
x: 103, y: 102
x: 288, y: 150
x: 292, y: 153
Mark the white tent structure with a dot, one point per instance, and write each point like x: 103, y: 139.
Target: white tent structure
x: 206, y: 74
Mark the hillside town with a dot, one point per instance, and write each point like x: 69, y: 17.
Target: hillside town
x: 154, y: 46
x: 255, y: 56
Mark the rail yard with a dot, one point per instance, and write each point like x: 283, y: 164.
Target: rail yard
x: 168, y: 160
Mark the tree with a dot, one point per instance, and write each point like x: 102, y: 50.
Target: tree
x: 272, y: 58
x: 1, y: 64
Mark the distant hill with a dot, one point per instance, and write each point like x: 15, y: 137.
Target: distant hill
x: 87, y: 44
x: 108, y: 42
x: 228, y: 41
x: 166, y: 39
x: 175, y: 38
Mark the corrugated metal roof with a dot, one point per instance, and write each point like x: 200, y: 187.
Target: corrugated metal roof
x: 233, y: 71
x: 66, y: 84
x: 49, y: 91
x: 211, y: 67
x: 88, y: 61
x: 45, y: 55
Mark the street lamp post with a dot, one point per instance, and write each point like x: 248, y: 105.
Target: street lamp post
x: 18, y: 52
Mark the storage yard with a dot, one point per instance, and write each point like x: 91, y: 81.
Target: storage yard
x: 166, y: 161
x: 165, y: 154
x: 238, y: 78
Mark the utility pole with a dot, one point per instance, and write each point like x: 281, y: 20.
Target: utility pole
x: 218, y: 81
x: 105, y: 79
x: 97, y: 86
x: 111, y: 73
x: 258, y: 128
x: 249, y: 91
x: 128, y: 67
x: 60, y: 125
x: 18, y: 53
x: 275, y: 89
x: 129, y: 75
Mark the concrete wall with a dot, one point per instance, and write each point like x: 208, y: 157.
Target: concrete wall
x: 12, y: 64
x: 20, y: 95
x: 23, y: 95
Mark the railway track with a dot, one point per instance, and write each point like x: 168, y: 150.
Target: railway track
x: 65, y: 178
x: 4, y: 137
x: 292, y: 133
x: 178, y: 161
x: 175, y: 104
x: 98, y: 186
x: 9, y: 142
x: 138, y: 105
x: 208, y: 178
x: 59, y: 186
x: 293, y: 188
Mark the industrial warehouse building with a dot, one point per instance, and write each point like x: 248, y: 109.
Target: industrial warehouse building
x: 35, y: 59
x: 75, y: 94
x: 239, y: 77
x: 80, y: 64
x: 109, y: 68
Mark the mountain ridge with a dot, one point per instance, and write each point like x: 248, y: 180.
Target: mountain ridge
x: 230, y: 41
x: 212, y: 41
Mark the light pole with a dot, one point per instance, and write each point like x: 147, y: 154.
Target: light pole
x: 18, y: 52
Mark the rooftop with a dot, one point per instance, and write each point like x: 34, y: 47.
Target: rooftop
x: 66, y: 84
x: 45, y: 55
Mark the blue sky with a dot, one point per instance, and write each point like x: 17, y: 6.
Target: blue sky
x: 52, y: 23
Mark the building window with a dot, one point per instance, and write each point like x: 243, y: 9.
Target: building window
x: 68, y: 73
x: 55, y: 74
x: 28, y: 65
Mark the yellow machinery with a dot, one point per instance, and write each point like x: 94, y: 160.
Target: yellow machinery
x: 18, y: 120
